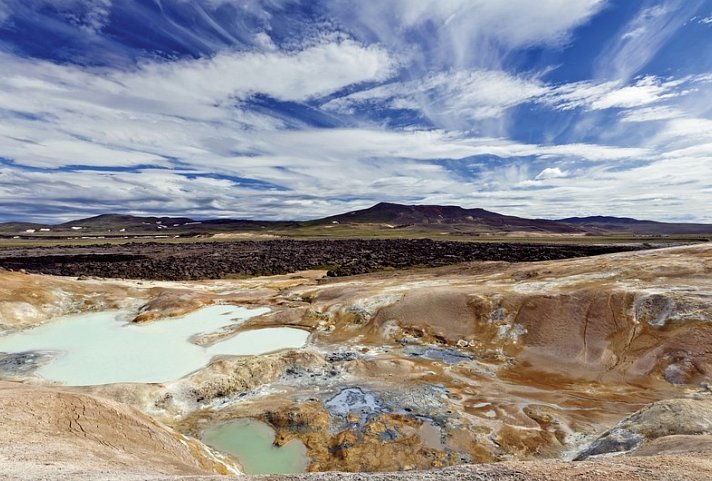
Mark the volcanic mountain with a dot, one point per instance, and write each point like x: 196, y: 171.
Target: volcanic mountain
x: 130, y: 224
x: 606, y: 224
x: 382, y: 216
x: 439, y: 215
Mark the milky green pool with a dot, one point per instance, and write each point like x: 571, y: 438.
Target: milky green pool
x: 101, y: 348
x: 251, y: 443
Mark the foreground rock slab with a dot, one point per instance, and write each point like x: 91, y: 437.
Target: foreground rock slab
x: 658, y: 428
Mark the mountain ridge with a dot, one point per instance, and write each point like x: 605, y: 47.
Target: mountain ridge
x: 636, y: 226
x: 386, y: 212
x: 381, y: 215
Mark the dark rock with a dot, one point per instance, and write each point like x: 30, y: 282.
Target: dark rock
x: 616, y: 441
x: 198, y: 260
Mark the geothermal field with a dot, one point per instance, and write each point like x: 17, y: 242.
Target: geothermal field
x: 563, y: 369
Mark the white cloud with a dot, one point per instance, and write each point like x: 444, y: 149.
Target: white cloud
x: 467, y: 33
x: 315, y: 71
x: 65, y: 115
x: 592, y: 152
x: 640, y: 40
x: 189, y: 110
x: 664, y: 189
x: 550, y: 173
x: 348, y: 144
x: 516, y: 22
x: 457, y: 98
x: 684, y: 130
x: 88, y: 15
x: 706, y: 20
x: 257, y: 6
x: 263, y: 40
x: 316, y: 168
x: 203, y: 88
x: 4, y: 11
x: 651, y: 114
x: 644, y: 92
x: 699, y: 151
x: 468, y: 95
x: 97, y: 15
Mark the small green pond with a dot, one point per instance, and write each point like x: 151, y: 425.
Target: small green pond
x: 251, y: 442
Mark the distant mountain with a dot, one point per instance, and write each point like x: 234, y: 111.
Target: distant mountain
x: 601, y: 219
x: 385, y: 215
x: 605, y: 224
x: 124, y: 221
x: 443, y: 215
x: 20, y: 226
x: 122, y: 224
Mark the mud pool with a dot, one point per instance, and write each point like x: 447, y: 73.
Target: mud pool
x: 101, y: 348
x: 251, y: 442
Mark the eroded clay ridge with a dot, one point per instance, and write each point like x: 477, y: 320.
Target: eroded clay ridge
x: 519, y: 365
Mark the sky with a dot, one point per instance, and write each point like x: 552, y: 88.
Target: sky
x: 295, y: 109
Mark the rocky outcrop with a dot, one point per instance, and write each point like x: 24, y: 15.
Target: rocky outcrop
x: 656, y: 428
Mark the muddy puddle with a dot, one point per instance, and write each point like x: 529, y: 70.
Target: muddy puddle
x: 251, y: 442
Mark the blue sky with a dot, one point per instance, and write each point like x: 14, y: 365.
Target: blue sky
x: 302, y: 108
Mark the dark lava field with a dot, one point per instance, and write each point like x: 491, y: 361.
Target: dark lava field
x: 212, y: 260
